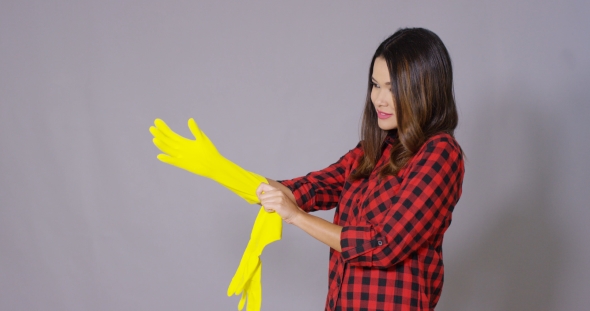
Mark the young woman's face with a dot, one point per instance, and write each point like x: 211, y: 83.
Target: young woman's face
x: 381, y: 95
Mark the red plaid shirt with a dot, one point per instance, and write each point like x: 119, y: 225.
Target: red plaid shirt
x: 393, y: 228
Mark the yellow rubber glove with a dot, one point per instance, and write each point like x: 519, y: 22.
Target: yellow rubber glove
x: 252, y: 291
x: 200, y: 156
x: 247, y: 279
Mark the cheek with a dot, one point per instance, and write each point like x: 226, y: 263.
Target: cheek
x: 391, y: 101
x: 373, y: 97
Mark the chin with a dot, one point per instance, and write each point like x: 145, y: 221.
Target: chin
x: 386, y: 126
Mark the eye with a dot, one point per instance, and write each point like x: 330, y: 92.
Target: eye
x: 375, y: 85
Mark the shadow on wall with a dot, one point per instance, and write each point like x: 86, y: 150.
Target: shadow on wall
x: 514, y: 263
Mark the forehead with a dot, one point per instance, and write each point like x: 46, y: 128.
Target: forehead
x: 380, y: 70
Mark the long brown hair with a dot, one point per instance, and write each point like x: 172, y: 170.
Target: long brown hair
x: 422, y: 87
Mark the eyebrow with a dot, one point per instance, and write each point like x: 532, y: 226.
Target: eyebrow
x: 386, y: 83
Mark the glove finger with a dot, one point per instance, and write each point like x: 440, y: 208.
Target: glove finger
x: 162, y: 137
x: 167, y: 159
x: 242, y: 301
x: 164, y: 129
x: 236, y: 285
x: 197, y: 133
x: 156, y: 132
x: 244, y: 275
x: 255, y: 291
x: 166, y: 147
x: 250, y: 272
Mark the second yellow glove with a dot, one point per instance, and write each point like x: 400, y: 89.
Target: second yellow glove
x: 247, y: 279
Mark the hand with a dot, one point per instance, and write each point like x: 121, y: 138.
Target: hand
x: 197, y: 155
x: 275, y: 200
x: 200, y: 156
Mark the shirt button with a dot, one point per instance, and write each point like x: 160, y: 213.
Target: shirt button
x: 379, y: 243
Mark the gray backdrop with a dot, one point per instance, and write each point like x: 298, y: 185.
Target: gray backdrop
x: 90, y: 220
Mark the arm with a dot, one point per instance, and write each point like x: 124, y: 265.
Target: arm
x: 278, y: 200
x: 293, y: 199
x: 322, y: 230
x: 320, y: 190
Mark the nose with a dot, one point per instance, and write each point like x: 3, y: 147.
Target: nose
x: 382, y: 97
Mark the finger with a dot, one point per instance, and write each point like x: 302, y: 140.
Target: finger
x: 242, y: 300
x: 161, y: 136
x: 252, y: 266
x: 270, y: 195
x: 264, y: 187
x: 234, y: 286
x: 157, y: 133
x: 259, y: 189
x: 166, y: 148
x: 268, y: 209
x: 164, y: 139
x: 167, y: 159
x: 163, y: 127
x: 197, y: 133
x: 255, y: 290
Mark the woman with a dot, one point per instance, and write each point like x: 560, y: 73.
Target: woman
x: 395, y: 192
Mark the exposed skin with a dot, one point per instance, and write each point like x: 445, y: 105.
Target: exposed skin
x: 381, y: 95
x: 277, y: 198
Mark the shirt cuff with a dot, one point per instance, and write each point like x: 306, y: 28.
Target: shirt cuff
x: 359, y: 243
x: 303, y: 193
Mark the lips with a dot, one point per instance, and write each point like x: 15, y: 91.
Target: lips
x: 383, y: 115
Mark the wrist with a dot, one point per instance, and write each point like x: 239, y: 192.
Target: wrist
x: 297, y: 218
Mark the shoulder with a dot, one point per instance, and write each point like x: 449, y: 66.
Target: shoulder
x: 440, y: 154
x: 442, y: 138
x: 441, y: 147
x: 354, y: 154
x: 441, y: 142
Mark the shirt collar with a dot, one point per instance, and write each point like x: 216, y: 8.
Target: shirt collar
x: 391, y: 136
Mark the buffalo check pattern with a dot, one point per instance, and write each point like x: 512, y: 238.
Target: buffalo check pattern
x: 393, y: 227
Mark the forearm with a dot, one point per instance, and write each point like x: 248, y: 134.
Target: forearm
x: 319, y: 228
x: 322, y: 230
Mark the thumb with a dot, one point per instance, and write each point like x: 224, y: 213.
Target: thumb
x: 195, y: 130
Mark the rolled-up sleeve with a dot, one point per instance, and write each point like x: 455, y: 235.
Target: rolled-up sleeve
x: 320, y: 190
x: 413, y: 212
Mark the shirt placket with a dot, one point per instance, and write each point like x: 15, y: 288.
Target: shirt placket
x: 361, y: 204
x: 340, y: 266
